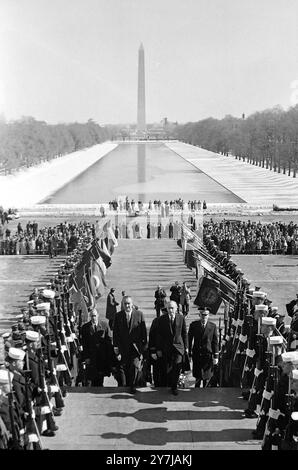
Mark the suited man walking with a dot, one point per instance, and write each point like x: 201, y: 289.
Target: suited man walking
x: 160, y: 299
x: 130, y: 342
x: 97, y: 348
x: 111, y: 307
x: 185, y: 298
x: 203, y: 346
x: 171, y: 344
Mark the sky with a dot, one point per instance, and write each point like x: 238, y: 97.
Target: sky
x: 72, y: 60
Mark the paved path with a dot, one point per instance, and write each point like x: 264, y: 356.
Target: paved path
x: 110, y: 418
x: 253, y: 184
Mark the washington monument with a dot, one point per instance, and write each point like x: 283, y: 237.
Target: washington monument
x: 141, y: 118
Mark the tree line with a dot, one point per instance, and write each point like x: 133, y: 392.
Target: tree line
x: 267, y: 138
x: 28, y: 142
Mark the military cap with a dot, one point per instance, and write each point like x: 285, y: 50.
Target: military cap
x: 268, y: 321
x: 261, y: 307
x: 32, y: 335
x: 43, y: 306
x: 30, y: 302
x: 259, y: 294
x: 38, y: 320
x: 20, y: 315
x: 41, y: 288
x: 290, y: 356
x: 48, y: 294
x: 274, y: 340
x: 6, y: 335
x: 5, y: 375
x: 16, y: 353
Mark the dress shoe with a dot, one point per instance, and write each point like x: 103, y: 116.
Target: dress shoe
x: 132, y: 390
x: 174, y: 391
x: 57, y: 412
x: 48, y: 433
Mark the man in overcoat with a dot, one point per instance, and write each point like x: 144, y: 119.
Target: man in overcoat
x: 172, y: 344
x: 97, y: 349
x: 130, y: 342
x: 111, y: 307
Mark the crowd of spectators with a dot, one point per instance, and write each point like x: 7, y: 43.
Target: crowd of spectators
x: 248, y: 237
x: 31, y: 239
x: 130, y: 205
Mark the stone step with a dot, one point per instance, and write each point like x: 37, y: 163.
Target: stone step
x: 111, y: 418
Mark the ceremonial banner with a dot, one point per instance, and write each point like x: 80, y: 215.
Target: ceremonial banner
x: 208, y: 295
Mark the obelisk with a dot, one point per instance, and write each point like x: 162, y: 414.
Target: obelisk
x: 141, y: 119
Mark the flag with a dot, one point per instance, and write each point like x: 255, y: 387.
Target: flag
x: 97, y: 252
x: 208, y: 295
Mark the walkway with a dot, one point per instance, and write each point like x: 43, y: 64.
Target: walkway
x: 256, y: 185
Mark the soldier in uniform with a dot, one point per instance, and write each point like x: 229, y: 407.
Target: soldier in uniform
x: 203, y: 347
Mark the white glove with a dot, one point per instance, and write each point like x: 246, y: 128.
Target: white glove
x: 154, y: 356
x: 215, y: 361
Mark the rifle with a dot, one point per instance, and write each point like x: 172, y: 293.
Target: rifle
x: 244, y: 382
x: 260, y: 356
x: 53, y: 383
x: 11, y: 407
x: 32, y: 429
x: 46, y: 406
x: 272, y: 435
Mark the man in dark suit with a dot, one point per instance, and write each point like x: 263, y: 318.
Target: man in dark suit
x: 130, y: 342
x: 175, y: 294
x: 172, y: 344
x: 203, y: 346
x: 160, y: 300
x: 97, y: 349
x: 111, y: 307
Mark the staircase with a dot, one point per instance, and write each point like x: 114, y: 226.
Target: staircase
x: 109, y: 418
x: 138, y: 266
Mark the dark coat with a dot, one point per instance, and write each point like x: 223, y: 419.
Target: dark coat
x: 175, y: 293
x: 111, y: 306
x: 131, y: 340
x: 203, y: 345
x: 160, y: 298
x: 168, y: 338
x: 97, y: 347
x: 153, y: 335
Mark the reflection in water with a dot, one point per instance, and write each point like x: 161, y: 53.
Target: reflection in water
x: 143, y: 172
x: 141, y: 164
